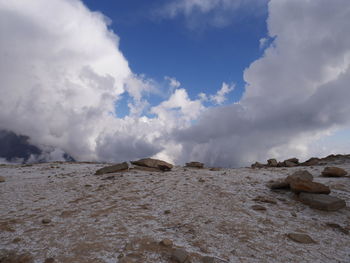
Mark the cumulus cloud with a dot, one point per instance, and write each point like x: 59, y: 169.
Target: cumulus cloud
x: 173, y: 82
x: 220, y: 97
x: 297, y: 92
x: 62, y: 76
x: 217, y: 13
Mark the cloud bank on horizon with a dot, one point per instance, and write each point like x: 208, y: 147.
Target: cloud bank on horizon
x: 62, y: 75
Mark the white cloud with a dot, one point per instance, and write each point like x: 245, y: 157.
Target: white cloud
x: 179, y: 110
x: 295, y: 93
x: 61, y: 72
x: 203, y: 97
x: 217, y: 13
x: 220, y: 97
x: 263, y: 42
x: 173, y: 82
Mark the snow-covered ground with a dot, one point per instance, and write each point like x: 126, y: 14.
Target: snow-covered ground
x: 208, y: 213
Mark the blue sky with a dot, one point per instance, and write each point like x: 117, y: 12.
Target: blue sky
x: 201, y: 58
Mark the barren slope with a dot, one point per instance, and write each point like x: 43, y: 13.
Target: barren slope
x: 208, y: 213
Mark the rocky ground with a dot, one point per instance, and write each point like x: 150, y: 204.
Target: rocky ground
x: 63, y: 212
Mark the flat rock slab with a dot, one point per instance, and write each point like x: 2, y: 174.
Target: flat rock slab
x: 195, y: 164
x: 113, y: 168
x: 334, y: 172
x: 298, y: 186
x: 322, y: 201
x: 154, y: 163
x: 301, y: 238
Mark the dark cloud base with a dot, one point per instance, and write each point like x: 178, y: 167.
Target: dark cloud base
x: 17, y: 148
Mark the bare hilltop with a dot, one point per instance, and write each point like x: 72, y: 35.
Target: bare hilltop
x: 152, y: 211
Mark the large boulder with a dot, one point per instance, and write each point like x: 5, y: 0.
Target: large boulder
x: 113, y: 168
x: 312, y: 161
x: 301, y: 175
x: 299, y: 186
x: 322, y: 201
x: 154, y: 163
x: 272, y: 162
x: 195, y: 164
x: 334, y: 172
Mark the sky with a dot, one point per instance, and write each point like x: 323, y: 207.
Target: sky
x: 224, y: 82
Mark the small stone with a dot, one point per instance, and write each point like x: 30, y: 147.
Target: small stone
x: 338, y: 227
x: 113, y: 168
x: 46, y: 221
x: 201, y: 180
x: 88, y: 185
x: 258, y: 207
x: 208, y: 259
x: 301, y: 238
x: 166, y: 242
x: 111, y: 177
x: 16, y: 240
x: 299, y: 186
x: 2, y: 179
x: 215, y: 169
x: 179, y: 255
x: 49, y: 260
x: 322, y: 201
x: 334, y: 172
x: 166, y: 212
x: 263, y: 199
x: 195, y: 165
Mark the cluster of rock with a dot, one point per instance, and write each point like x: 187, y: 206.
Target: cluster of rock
x: 292, y: 162
x: 313, y: 194
x: 147, y: 164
